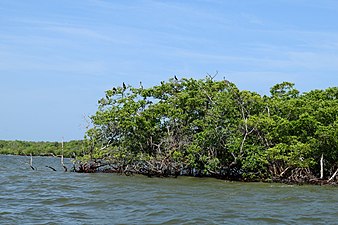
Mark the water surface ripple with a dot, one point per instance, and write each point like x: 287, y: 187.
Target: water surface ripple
x: 43, y: 196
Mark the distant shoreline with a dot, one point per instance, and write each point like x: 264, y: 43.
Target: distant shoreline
x: 42, y: 148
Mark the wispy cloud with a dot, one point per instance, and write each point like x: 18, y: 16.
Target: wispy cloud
x: 84, y: 33
x: 44, y: 29
x: 75, y: 68
x: 251, y: 18
x: 269, y: 59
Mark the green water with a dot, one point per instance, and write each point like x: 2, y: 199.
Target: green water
x: 43, y: 196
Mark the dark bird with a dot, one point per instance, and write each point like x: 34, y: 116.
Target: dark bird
x: 141, y: 86
x: 162, y: 82
x: 124, y: 86
x: 175, y: 78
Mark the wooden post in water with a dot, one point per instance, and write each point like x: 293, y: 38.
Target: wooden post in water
x: 62, y: 163
x: 31, y: 162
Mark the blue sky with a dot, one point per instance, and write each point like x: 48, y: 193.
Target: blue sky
x: 57, y: 57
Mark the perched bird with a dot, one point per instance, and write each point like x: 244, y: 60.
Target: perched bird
x: 175, y: 78
x: 124, y: 86
x: 141, y: 86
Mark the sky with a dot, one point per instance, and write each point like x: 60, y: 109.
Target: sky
x: 57, y: 57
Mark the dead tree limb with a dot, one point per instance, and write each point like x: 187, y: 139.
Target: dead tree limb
x: 322, y: 166
x: 62, y: 163
x: 51, y: 168
x: 333, y: 176
x: 31, y: 162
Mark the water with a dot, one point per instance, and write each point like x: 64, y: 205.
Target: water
x: 43, y: 196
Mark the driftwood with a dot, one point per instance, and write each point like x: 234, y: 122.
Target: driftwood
x: 51, y: 168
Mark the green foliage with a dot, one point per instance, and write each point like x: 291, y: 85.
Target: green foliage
x: 71, y: 148
x: 214, y: 128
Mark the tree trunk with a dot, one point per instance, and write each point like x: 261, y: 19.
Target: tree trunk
x: 322, y: 167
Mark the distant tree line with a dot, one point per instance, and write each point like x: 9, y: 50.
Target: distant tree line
x: 70, y: 148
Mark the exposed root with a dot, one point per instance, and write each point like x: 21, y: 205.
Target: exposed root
x: 169, y: 168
